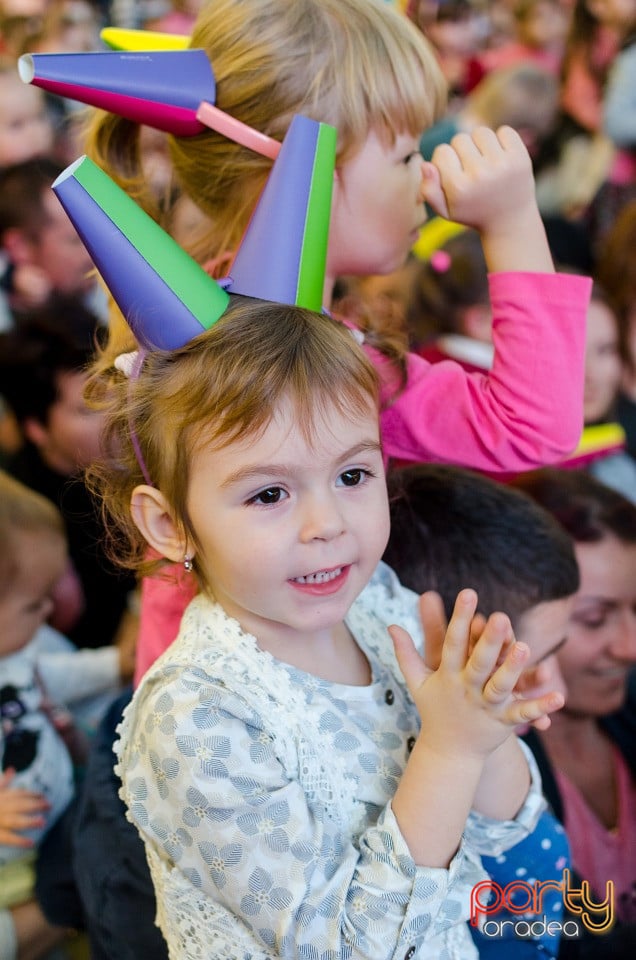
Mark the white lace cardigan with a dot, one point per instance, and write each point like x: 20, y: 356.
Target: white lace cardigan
x: 263, y: 798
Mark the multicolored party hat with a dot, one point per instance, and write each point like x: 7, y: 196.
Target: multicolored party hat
x: 162, y: 292
x: 139, y: 86
x: 137, y: 41
x: 283, y: 252
x: 172, y: 90
x: 165, y: 296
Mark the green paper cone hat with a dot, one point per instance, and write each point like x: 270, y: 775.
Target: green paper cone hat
x: 283, y: 253
x: 165, y: 296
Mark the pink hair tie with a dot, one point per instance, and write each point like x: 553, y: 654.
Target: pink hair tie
x: 440, y: 261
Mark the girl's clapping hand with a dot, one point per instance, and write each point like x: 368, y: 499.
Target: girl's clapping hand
x: 468, y: 705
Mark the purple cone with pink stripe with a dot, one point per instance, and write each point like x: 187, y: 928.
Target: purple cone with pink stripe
x: 162, y: 89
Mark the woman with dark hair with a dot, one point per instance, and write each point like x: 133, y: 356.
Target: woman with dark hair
x: 588, y: 755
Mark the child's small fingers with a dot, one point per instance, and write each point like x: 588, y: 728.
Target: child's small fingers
x: 411, y: 664
x: 476, y: 630
x: 25, y: 821
x: 536, y: 710
x: 487, y: 653
x: 10, y: 839
x: 431, y: 191
x: 433, y: 617
x: 503, y: 680
x: 455, y: 649
x: 6, y: 777
x: 509, y: 139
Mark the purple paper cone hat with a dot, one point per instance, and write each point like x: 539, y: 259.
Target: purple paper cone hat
x: 165, y: 296
x: 162, y: 89
x: 171, y: 90
x: 283, y: 253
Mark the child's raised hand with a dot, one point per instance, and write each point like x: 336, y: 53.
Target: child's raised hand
x: 484, y: 180
x: 20, y: 810
x: 434, y: 625
x: 468, y: 705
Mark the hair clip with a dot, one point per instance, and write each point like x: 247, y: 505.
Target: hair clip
x: 440, y: 261
x: 126, y: 362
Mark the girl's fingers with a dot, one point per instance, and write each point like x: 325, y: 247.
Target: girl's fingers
x: 474, y: 147
x: 510, y: 140
x: 23, y: 801
x: 411, y: 664
x: 476, y: 630
x: 487, y: 652
x: 433, y: 617
x: 23, y: 821
x: 6, y: 777
x: 10, y: 839
x: 535, y: 711
x: 455, y: 649
x: 431, y: 190
x: 505, y: 677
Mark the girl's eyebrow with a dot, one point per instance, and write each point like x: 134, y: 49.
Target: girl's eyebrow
x: 256, y: 470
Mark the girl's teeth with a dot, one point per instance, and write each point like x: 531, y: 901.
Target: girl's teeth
x: 321, y: 577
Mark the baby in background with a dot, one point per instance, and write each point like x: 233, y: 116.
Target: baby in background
x: 41, y: 675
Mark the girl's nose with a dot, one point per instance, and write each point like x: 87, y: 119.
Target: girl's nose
x: 322, y: 519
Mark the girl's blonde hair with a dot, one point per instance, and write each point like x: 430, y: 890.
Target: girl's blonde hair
x: 356, y: 64
x: 22, y: 511
x: 225, y: 384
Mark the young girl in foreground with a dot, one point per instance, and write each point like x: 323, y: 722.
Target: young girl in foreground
x: 272, y: 758
x: 364, y: 68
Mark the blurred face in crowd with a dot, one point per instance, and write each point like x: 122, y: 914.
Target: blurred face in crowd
x: 41, y: 559
x: 59, y: 252
x: 602, y: 363
x: 25, y: 128
x: 70, y: 438
x: 601, y: 645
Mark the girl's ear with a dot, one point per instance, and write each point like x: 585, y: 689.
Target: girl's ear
x: 155, y: 521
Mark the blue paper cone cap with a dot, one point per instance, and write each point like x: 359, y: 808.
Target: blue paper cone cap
x: 165, y: 296
x: 162, y: 89
x: 283, y: 253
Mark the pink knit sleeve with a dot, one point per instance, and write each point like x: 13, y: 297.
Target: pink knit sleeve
x: 527, y: 411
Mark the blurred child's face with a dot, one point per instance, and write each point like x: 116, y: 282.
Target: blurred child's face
x: 377, y: 209
x: 70, y: 439
x: 292, y: 530
x: 59, y: 252
x: 544, y: 628
x: 546, y: 26
x: 41, y: 560
x: 25, y: 129
x: 602, y: 363
x: 601, y: 647
x: 615, y: 13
